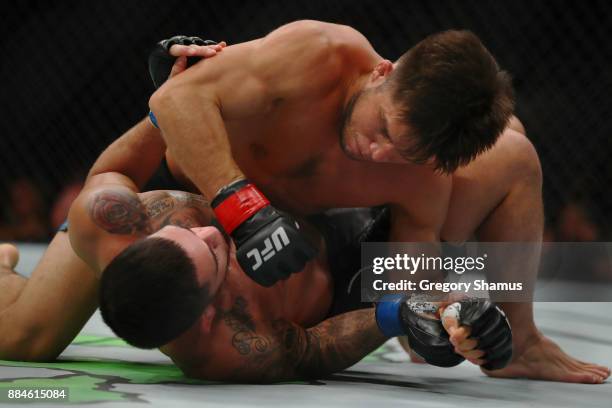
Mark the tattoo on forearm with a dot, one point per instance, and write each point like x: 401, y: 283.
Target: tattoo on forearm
x: 177, y: 208
x: 119, y: 212
x: 340, y: 342
x: 124, y: 212
x: 288, y: 351
x: 241, y: 323
x: 190, y: 200
x: 163, y: 205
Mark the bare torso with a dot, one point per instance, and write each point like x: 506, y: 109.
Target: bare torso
x: 294, y: 156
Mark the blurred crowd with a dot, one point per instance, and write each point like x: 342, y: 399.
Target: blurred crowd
x: 27, y: 215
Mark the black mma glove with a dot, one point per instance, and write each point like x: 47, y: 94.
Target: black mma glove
x: 270, y: 245
x: 489, y: 326
x: 161, y: 62
x: 400, y: 315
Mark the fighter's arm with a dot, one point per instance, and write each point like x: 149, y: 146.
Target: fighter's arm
x: 242, y: 83
x: 110, y: 212
x: 417, y: 215
x: 109, y: 203
x: 279, y: 350
x: 134, y: 156
x: 56, y: 301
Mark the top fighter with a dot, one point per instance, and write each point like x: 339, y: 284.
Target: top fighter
x: 316, y: 119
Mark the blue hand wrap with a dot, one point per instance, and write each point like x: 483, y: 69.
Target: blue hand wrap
x: 388, y: 315
x: 63, y: 227
x: 153, y: 119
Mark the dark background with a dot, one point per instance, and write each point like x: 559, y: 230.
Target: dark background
x: 74, y: 77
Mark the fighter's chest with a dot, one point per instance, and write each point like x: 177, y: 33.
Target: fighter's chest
x: 287, y: 156
x: 290, y: 141
x: 302, y: 298
x: 294, y: 156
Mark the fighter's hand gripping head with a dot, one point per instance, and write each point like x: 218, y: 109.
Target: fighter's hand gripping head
x: 400, y: 315
x: 270, y: 245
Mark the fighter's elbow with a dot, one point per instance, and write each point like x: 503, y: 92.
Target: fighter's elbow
x: 168, y: 93
x: 173, y: 98
x: 161, y: 98
x: 38, y: 351
x: 27, y: 344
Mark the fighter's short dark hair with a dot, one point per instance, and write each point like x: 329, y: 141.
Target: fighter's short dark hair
x: 149, y: 294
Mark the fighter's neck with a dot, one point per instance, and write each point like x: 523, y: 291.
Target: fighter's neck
x: 356, y: 86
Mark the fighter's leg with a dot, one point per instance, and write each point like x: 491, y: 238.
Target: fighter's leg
x: 40, y: 318
x: 519, y: 217
x: 498, y: 197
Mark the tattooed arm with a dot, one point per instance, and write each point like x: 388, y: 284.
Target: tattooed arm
x: 110, y: 212
x: 108, y: 217
x: 278, y: 350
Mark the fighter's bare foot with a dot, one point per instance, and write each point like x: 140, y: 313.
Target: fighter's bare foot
x: 543, y: 359
x: 9, y: 256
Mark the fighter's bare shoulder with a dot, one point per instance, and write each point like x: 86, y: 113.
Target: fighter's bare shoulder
x: 311, y: 50
x: 301, y: 59
x: 105, y: 216
x: 318, y: 36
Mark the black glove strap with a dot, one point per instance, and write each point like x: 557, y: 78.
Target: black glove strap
x: 227, y: 191
x: 161, y: 62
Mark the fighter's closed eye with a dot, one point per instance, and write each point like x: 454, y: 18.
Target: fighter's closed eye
x: 384, y: 128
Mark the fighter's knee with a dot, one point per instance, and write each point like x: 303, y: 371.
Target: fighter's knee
x: 526, y: 161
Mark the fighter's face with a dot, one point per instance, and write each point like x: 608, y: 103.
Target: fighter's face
x: 207, y: 248
x: 373, y: 129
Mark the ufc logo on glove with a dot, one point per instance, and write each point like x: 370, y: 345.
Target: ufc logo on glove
x: 270, y: 245
x: 280, y: 239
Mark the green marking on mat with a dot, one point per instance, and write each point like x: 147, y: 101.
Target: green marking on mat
x: 93, y: 340
x: 135, y: 373
x: 97, y: 381
x: 94, y: 379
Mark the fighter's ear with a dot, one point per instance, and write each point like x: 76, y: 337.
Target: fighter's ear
x: 207, y: 318
x: 381, y: 70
